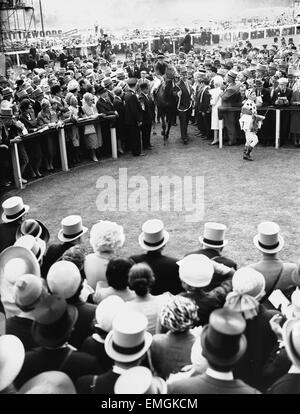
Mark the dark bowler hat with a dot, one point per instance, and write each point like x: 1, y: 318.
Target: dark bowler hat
x: 223, y: 343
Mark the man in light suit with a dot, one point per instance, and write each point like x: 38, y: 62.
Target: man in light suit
x: 185, y: 103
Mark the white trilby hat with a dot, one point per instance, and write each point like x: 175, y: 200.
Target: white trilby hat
x: 72, y: 229
x: 64, y: 279
x: 12, y: 355
x: 196, y: 270
x: 268, y: 239
x: 214, y: 235
x: 13, y: 209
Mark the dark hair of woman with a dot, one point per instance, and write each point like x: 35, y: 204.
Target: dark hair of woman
x: 141, y: 279
x: 117, y: 272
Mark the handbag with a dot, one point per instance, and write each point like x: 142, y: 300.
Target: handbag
x: 89, y: 129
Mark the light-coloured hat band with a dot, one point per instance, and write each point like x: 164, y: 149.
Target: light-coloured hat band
x: 16, y: 215
x: 268, y: 247
x: 128, y: 351
x: 154, y: 244
x: 214, y: 242
x: 71, y: 236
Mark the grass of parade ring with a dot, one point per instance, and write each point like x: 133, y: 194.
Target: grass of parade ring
x: 238, y: 193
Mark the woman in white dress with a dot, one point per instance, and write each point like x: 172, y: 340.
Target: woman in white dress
x: 216, y: 101
x: 90, y: 133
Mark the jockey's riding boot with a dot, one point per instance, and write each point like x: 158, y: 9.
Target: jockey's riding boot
x: 247, y: 153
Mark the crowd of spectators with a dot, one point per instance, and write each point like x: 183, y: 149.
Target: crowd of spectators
x: 103, y: 323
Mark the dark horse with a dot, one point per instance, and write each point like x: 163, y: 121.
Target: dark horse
x: 166, y: 101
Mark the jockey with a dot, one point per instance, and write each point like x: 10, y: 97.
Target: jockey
x: 250, y: 123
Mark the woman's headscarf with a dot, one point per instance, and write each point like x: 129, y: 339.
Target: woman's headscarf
x: 248, y: 287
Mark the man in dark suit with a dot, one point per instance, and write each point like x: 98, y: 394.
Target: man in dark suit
x: 56, y: 250
x: 231, y: 98
x: 164, y: 267
x: 120, y: 121
x: 139, y: 67
x: 133, y: 117
x: 106, y: 111
x: 290, y: 383
x: 204, y: 108
x: 184, y: 104
x: 130, y: 69
x: 129, y: 328
x: 144, y: 99
x: 267, y: 132
x: 13, y: 215
x: 282, y: 97
x: 213, y: 242
x: 223, y: 344
x: 187, y: 42
x: 55, y: 354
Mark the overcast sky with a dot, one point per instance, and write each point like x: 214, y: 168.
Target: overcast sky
x: 70, y: 14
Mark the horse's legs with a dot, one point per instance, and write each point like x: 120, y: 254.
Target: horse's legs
x: 169, y: 128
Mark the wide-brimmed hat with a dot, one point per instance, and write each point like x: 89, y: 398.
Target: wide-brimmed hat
x: 106, y: 311
x: 153, y: 236
x: 33, y: 228
x: 13, y: 209
x: 54, y: 323
x: 72, y: 229
x: 36, y: 246
x: 50, y: 382
x: 268, y: 239
x: 12, y: 355
x: 139, y: 380
x: 222, y: 340
x: 214, y: 235
x: 17, y: 261
x: 128, y: 341
x: 64, y: 279
x: 291, y: 338
x: 196, y: 270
